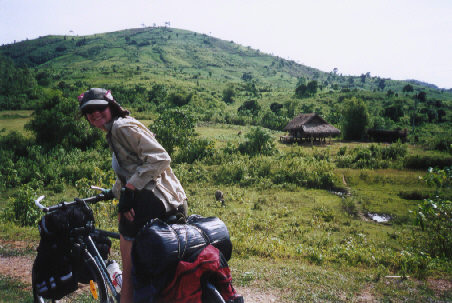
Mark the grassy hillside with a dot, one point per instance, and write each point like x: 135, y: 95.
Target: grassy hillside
x: 157, y: 53
x: 152, y: 68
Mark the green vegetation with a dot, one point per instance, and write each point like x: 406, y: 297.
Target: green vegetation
x: 13, y: 291
x: 297, y: 215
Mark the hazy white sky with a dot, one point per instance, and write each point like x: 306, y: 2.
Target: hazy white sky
x: 397, y: 39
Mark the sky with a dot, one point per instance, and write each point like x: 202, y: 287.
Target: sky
x: 397, y: 39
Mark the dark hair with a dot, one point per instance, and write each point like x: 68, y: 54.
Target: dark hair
x: 117, y: 110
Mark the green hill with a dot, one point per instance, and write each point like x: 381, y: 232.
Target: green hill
x: 155, y: 52
x: 161, y: 54
x: 151, y: 68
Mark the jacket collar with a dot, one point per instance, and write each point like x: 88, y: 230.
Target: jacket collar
x: 109, y: 125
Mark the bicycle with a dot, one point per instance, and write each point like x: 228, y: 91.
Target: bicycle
x: 81, y: 238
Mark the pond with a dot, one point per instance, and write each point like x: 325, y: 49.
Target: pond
x: 380, y: 218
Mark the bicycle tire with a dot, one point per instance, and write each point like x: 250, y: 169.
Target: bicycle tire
x: 104, y: 295
x: 210, y: 293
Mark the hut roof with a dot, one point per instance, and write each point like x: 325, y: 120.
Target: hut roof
x: 312, y: 124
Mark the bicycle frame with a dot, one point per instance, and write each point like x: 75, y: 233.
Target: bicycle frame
x: 102, y: 266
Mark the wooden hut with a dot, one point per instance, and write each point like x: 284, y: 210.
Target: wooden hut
x: 309, y: 127
x: 383, y: 135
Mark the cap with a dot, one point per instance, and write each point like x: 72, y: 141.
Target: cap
x: 94, y: 97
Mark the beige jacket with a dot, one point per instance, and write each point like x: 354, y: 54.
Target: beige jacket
x: 140, y: 160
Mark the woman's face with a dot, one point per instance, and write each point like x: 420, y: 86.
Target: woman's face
x: 99, y: 117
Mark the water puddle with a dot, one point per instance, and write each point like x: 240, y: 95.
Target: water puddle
x: 341, y: 192
x: 380, y: 218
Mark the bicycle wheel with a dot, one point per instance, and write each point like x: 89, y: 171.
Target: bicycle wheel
x: 210, y: 294
x: 99, y: 286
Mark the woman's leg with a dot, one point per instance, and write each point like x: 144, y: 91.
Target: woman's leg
x: 146, y: 207
x: 127, y: 286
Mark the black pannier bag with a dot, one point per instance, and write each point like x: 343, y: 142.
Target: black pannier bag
x: 54, y: 275
x: 158, y: 246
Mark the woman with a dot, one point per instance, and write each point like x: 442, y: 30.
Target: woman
x: 145, y: 184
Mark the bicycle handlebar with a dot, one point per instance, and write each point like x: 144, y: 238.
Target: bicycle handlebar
x: 89, y: 200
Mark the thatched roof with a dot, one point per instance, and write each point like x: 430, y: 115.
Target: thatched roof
x: 311, y: 124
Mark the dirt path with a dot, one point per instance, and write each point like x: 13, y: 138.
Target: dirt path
x: 19, y: 268
x: 17, y: 265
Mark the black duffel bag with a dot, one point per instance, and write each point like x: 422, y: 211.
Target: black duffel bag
x: 158, y: 246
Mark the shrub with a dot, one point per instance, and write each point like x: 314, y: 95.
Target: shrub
x: 306, y: 172
x: 173, y: 128
x: 179, y: 99
x: 195, y: 149
x: 273, y: 121
x: 349, y: 206
x: 414, y: 195
x: 355, y: 119
x: 259, y: 142
x: 394, y: 151
x: 435, y: 219
x: 55, y: 123
x: 434, y: 216
x: 249, y: 107
x: 15, y: 142
x: 232, y: 173
x: 374, y: 156
x: 424, y: 162
x: 228, y: 94
x: 21, y: 208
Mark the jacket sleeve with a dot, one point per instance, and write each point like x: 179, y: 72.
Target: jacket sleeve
x: 153, y: 158
x: 117, y: 188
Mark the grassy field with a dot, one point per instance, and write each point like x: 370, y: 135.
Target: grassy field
x: 14, y: 120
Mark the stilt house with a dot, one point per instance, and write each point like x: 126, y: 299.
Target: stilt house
x: 309, y: 127
x: 383, y: 135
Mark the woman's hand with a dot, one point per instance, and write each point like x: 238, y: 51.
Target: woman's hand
x: 130, y: 186
x: 130, y: 215
x: 126, y: 201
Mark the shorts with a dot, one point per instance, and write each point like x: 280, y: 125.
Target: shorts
x: 146, y: 206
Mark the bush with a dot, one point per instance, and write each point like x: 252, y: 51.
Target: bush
x: 249, y: 107
x: 273, y: 121
x: 306, y: 172
x: 52, y: 167
x: 259, y: 142
x: 15, y: 142
x: 21, y: 208
x: 394, y: 151
x: 55, y: 123
x: 174, y: 128
x: 349, y: 206
x: 434, y: 216
x: 424, y: 162
x: 355, y: 119
x: 414, y: 195
x: 232, y: 173
x: 195, y: 149
x: 374, y: 156
x: 435, y: 219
